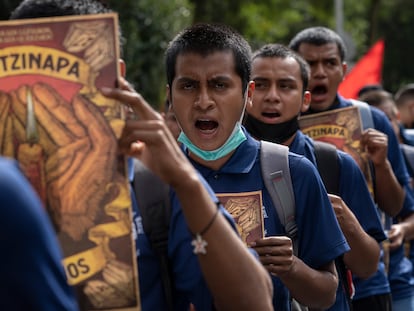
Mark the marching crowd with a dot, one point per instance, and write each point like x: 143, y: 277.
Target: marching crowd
x: 349, y: 248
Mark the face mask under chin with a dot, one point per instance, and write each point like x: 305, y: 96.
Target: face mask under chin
x: 234, y: 140
x: 276, y: 133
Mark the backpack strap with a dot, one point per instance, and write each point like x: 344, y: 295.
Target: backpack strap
x: 367, y: 122
x: 328, y: 166
x: 274, y: 162
x: 153, y: 199
x: 365, y: 112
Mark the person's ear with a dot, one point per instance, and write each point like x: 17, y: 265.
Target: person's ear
x: 344, y: 69
x: 250, y: 90
x: 398, y: 115
x: 307, y: 96
x: 122, y: 67
x: 168, y: 95
x: 163, y: 115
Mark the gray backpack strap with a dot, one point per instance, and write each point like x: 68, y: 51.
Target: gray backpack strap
x: 274, y: 162
x: 365, y: 112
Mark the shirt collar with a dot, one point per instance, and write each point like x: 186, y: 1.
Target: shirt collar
x: 242, y: 160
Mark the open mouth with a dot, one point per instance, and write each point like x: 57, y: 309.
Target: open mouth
x: 206, y: 125
x: 270, y: 114
x: 319, y: 90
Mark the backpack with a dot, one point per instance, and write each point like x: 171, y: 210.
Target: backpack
x: 152, y: 196
x: 276, y: 176
x: 365, y: 112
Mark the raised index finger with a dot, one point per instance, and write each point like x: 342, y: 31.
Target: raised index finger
x: 127, y: 95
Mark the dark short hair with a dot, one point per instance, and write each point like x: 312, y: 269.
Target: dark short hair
x: 376, y: 97
x: 318, y: 36
x: 48, y: 8
x: 379, y: 97
x: 205, y: 39
x: 368, y: 88
x: 282, y: 51
x: 405, y: 92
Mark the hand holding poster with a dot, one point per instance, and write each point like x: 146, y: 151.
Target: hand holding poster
x: 342, y: 128
x: 64, y: 134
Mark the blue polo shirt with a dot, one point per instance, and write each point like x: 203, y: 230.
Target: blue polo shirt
x: 32, y: 274
x: 400, y: 273
x: 318, y: 244
x: 408, y: 139
x: 354, y: 192
x: 400, y: 268
x: 189, y: 284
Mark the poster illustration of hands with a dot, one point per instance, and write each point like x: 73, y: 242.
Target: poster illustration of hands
x: 246, y: 210
x: 63, y: 132
x: 342, y: 128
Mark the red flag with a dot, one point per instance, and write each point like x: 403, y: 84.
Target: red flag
x: 367, y: 70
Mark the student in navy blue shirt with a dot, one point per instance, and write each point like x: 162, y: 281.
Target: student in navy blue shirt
x: 324, y: 50
x: 281, y: 77
x: 205, y: 275
x: 404, y: 229
x: 31, y: 270
x: 210, y: 264
x: 208, y: 75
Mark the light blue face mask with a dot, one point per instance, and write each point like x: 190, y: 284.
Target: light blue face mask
x: 234, y: 140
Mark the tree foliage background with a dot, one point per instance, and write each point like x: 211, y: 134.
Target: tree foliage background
x: 149, y: 25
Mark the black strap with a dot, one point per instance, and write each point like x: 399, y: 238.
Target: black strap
x: 327, y: 163
x: 153, y: 199
x: 328, y: 167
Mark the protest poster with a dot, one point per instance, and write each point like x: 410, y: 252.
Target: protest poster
x: 342, y: 128
x: 63, y: 132
x: 246, y: 210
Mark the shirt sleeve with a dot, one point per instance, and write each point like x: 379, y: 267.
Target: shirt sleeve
x: 319, y: 235
x: 355, y: 193
x: 31, y: 267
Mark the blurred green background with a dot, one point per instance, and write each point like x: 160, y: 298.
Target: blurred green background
x: 149, y: 25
